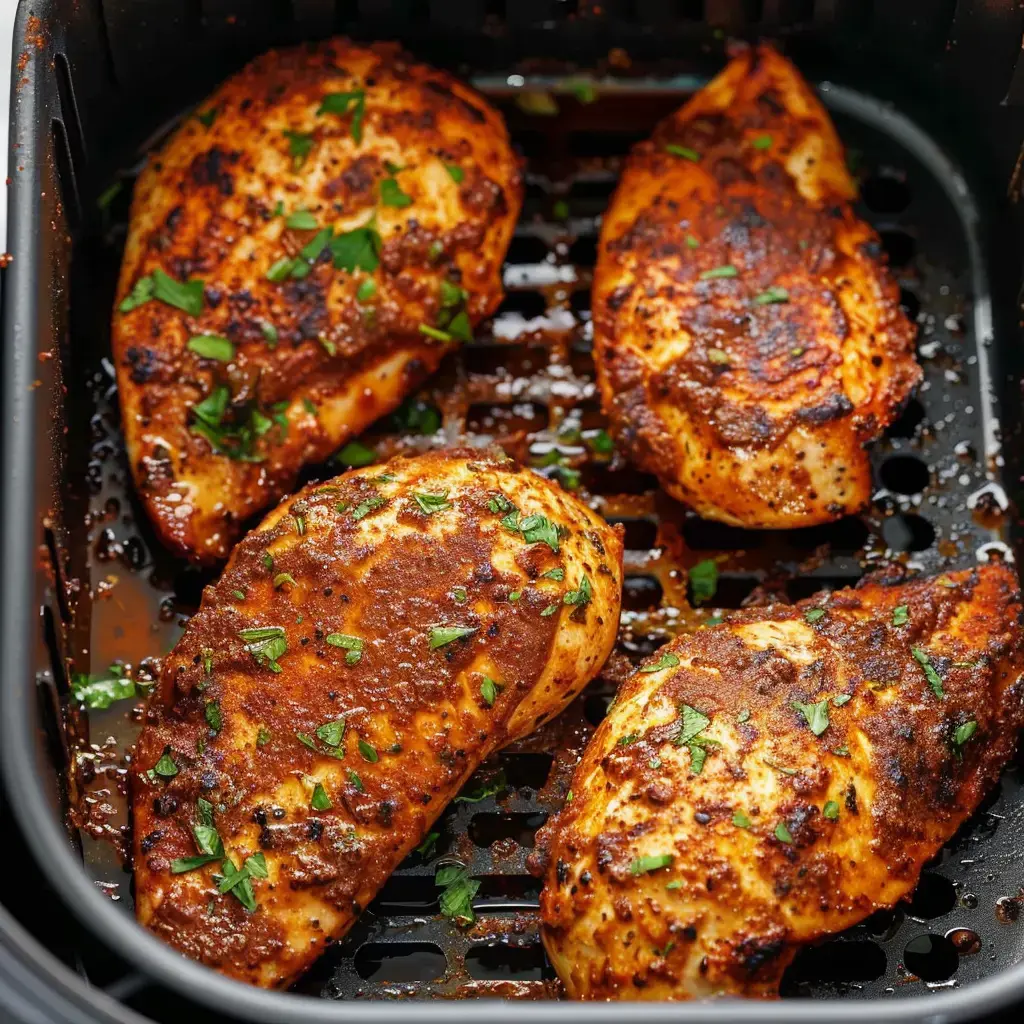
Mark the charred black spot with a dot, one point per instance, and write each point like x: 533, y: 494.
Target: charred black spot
x: 562, y: 872
x: 834, y: 408
x: 315, y: 829
x: 165, y: 805
x: 143, y: 363
x: 209, y: 169
x: 149, y: 841
x: 754, y: 954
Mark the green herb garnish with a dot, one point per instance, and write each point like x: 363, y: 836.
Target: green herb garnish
x: 320, y: 801
x: 667, y: 660
x: 715, y: 273
x: 352, y: 644
x: 431, y: 503
x: 343, y: 103
x: 266, y: 645
x: 934, y: 680
x: 684, y: 151
x: 704, y: 580
x: 441, y: 636
x: 816, y: 715
x: 651, y: 862
x: 456, y: 899
x: 211, y: 346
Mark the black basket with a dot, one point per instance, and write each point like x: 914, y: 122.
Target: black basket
x: 928, y: 98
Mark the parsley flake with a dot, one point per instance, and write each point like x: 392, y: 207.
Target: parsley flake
x: 816, y: 715
x: 667, y: 660
x: 651, y: 862
x: 441, y: 636
x: 933, y: 677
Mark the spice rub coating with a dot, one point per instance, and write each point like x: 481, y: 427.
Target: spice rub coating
x: 748, y: 337
x: 764, y: 783
x: 366, y: 647
x: 342, y: 214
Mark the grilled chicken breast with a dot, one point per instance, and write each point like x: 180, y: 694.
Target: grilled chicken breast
x: 764, y: 783
x: 365, y: 649
x: 748, y: 338
x: 302, y: 252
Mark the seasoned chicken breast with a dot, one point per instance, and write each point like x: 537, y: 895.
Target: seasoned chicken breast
x: 748, y: 338
x: 764, y: 783
x: 302, y: 252
x: 365, y: 649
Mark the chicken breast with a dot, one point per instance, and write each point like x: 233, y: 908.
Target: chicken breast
x: 366, y: 648
x: 764, y: 783
x: 748, y: 338
x: 301, y: 254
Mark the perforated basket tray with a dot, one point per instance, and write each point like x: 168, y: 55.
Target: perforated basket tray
x: 527, y: 384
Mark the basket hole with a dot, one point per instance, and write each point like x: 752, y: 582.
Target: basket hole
x: 507, y: 892
x: 526, y: 303
x: 933, y: 897
x: 906, y: 424
x: 602, y: 480
x: 514, y: 360
x: 640, y: 593
x: 910, y: 304
x: 808, y: 586
x: 885, y: 193
x: 838, y: 963
x: 501, y: 960
x: 525, y: 417
x: 583, y: 252
x: 526, y: 771
x: 899, y: 246
x: 641, y: 534
x: 845, y: 536
x: 579, y: 303
x: 707, y: 535
x: 904, y: 474
x: 908, y: 533
x: 592, y: 188
x: 732, y: 591
x: 931, y: 957
x: 489, y: 827
x: 595, y: 707
x: 582, y: 362
x: 526, y: 249
x: 591, y: 144
x: 406, y: 894
x: 400, y: 961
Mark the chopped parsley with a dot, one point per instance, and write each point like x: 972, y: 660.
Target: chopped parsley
x: 581, y: 596
x: 301, y: 220
x: 344, y: 103
x: 455, y: 172
x: 535, y: 529
x: 352, y: 644
x: 550, y: 610
x: 554, y: 574
x: 900, y: 615
x: 770, y: 296
x: 458, y: 890
x: 441, y: 636
x: 368, y: 752
x: 934, y: 680
x: 391, y: 194
x: 320, y: 801
x: 431, y: 503
x: 740, y: 820
x: 356, y: 455
x: 165, y: 767
x: 239, y: 882
x: 964, y: 732
x: 98, y: 694
x: 213, y: 715
x: 831, y: 810
x: 429, y: 844
x: 353, y: 778
x: 762, y: 142
x: 489, y: 690
x: 841, y: 699
x: 211, y: 346
x: 651, y: 862
x: 494, y: 786
x: 282, y: 578
x: 667, y: 660
x: 263, y: 736
x: 816, y: 715
x: 684, y: 151
x: 266, y: 645
x: 366, y: 506
x: 813, y: 615
x: 300, y: 145
x: 783, y: 834
x: 715, y: 273
x: 332, y: 733
x: 358, y: 249
x: 691, y: 724
x: 704, y: 580
x: 183, y: 295
x: 743, y: 716
x: 366, y: 290
x: 718, y: 356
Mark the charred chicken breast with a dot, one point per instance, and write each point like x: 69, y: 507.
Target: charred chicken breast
x: 748, y: 338
x: 302, y: 252
x: 366, y: 647
x: 772, y: 780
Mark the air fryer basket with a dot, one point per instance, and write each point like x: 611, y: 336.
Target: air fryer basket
x: 96, y: 82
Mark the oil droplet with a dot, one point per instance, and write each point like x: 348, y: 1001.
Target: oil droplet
x: 965, y: 941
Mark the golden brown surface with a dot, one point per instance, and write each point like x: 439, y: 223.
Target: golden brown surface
x: 319, y: 354
x: 750, y: 408
x: 786, y: 834
x: 358, y: 557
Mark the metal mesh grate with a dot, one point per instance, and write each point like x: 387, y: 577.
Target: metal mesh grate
x: 527, y: 383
